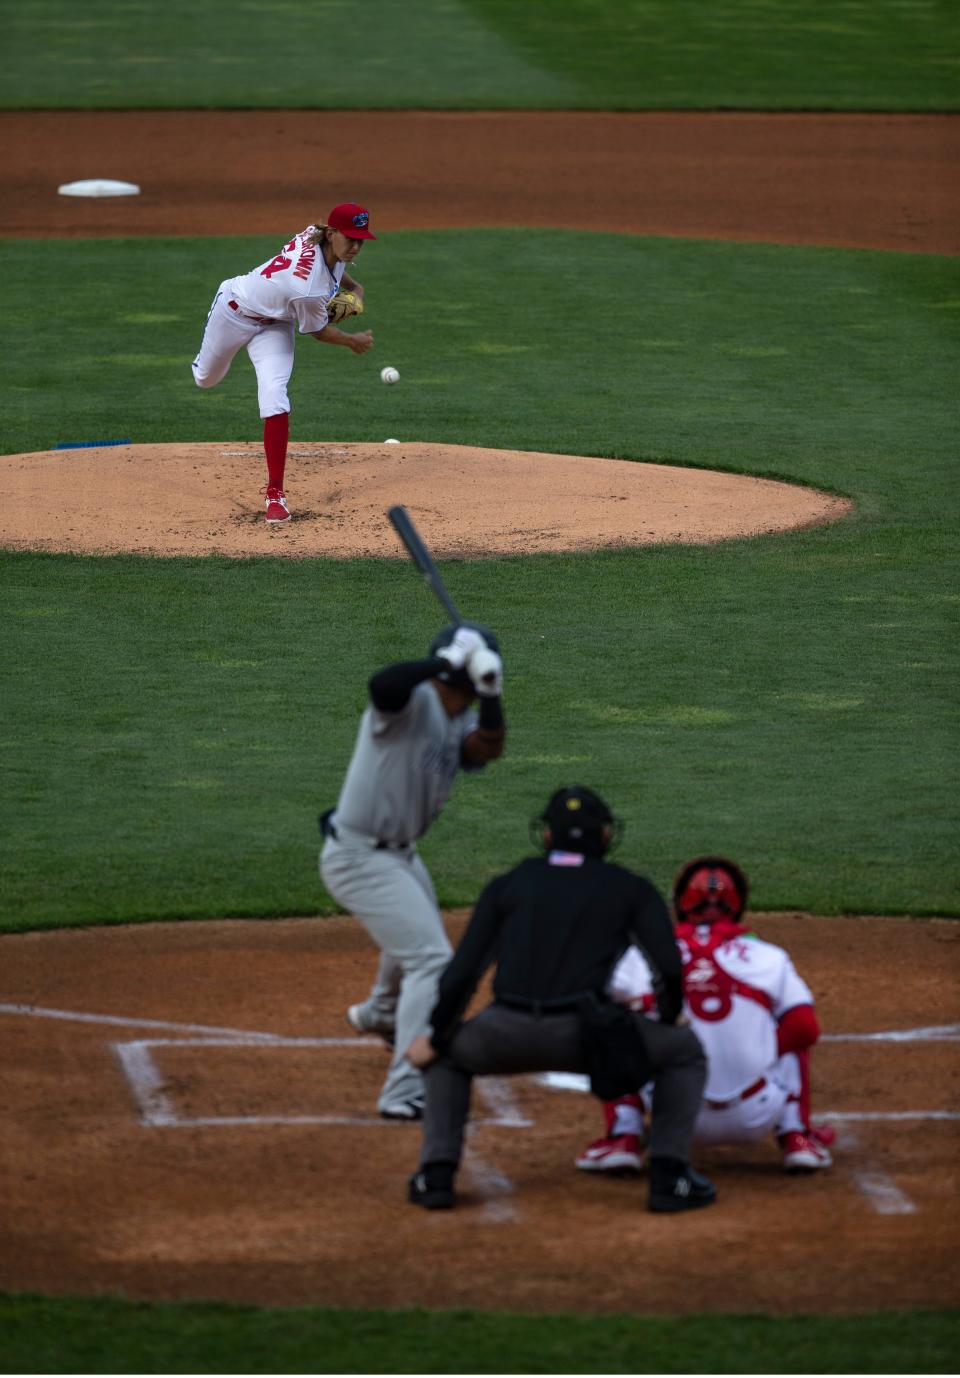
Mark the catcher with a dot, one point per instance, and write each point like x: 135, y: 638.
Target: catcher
x: 752, y: 1013
x: 306, y: 285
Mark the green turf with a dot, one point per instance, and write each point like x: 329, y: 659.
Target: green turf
x: 173, y: 727
x: 44, y: 1335
x: 601, y: 54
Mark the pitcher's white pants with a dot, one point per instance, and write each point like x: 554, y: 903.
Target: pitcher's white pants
x: 270, y: 348
x: 392, y: 895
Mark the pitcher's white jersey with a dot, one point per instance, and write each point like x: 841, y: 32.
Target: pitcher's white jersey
x: 735, y: 994
x: 295, y: 285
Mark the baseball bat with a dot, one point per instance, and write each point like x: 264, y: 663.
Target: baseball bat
x: 421, y: 557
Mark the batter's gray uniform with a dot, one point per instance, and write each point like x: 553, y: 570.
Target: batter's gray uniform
x: 399, y: 778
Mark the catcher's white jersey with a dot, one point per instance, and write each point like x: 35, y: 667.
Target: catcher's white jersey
x: 735, y: 994
x: 295, y: 285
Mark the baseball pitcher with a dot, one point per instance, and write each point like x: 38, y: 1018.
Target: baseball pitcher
x: 754, y: 1016
x: 418, y: 730
x: 306, y: 285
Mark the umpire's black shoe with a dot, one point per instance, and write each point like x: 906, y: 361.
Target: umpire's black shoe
x: 432, y: 1187
x: 683, y: 1190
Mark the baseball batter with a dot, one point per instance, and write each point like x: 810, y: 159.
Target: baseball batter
x: 754, y: 1016
x: 260, y: 311
x: 418, y: 730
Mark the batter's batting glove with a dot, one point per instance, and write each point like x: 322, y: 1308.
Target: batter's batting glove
x: 465, y: 643
x: 485, y: 669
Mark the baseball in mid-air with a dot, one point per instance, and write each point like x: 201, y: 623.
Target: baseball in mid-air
x: 389, y: 375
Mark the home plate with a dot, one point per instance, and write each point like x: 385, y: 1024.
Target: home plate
x: 564, y: 1081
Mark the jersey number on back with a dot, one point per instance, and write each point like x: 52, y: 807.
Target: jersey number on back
x: 277, y: 266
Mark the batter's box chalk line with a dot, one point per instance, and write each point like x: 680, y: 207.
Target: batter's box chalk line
x: 880, y: 1191
x: 158, y: 1109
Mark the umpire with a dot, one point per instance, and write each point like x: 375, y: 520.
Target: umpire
x: 557, y: 924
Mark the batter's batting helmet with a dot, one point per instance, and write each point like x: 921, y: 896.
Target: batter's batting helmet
x: 710, y: 888
x: 459, y: 679
x: 577, y: 820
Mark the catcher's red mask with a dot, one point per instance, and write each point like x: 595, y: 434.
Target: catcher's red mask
x: 708, y: 890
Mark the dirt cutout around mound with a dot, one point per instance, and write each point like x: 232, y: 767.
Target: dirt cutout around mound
x: 188, y: 1115
x: 203, y: 500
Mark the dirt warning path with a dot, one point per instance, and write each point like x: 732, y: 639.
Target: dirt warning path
x: 864, y: 181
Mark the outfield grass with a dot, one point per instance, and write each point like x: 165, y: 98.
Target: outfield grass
x: 465, y: 54
x: 173, y: 727
x: 45, y: 1335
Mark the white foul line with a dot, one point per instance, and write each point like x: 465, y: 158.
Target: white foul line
x: 936, y: 1033
x: 888, y: 1115
x: 39, y: 1012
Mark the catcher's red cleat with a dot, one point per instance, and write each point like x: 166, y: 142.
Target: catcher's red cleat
x: 803, y: 1153
x: 276, y: 504
x: 620, y: 1155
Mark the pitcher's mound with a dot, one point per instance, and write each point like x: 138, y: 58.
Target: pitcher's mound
x: 204, y: 500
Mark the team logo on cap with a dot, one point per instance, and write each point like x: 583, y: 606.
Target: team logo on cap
x: 361, y: 220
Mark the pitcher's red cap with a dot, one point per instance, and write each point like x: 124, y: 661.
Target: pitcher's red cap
x: 351, y: 220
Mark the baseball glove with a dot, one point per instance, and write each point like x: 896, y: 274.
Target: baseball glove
x: 342, y: 305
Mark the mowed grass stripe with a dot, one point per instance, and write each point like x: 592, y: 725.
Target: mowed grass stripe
x: 483, y: 54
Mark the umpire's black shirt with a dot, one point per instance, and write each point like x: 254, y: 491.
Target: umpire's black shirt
x: 556, y: 927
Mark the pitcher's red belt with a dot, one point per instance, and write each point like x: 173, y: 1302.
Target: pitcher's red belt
x: 258, y: 320
x: 752, y: 1090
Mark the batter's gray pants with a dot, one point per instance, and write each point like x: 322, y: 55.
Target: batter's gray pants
x: 392, y: 895
x: 501, y: 1040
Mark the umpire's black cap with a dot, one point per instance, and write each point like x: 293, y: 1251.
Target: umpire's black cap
x: 579, y: 821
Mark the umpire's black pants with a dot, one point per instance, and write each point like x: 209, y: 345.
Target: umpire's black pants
x: 503, y: 1041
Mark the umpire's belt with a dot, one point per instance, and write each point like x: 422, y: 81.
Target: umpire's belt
x: 753, y: 1089
x: 340, y: 833
x: 540, y: 1007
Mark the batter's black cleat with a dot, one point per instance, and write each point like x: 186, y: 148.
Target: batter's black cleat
x: 407, y: 1110
x: 684, y: 1190
x: 432, y: 1187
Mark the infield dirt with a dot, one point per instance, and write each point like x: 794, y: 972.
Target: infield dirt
x: 245, y: 1203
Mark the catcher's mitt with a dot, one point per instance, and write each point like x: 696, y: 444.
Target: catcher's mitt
x: 342, y: 305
